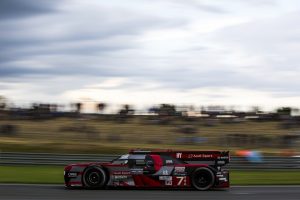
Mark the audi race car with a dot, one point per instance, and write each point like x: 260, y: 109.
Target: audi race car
x: 202, y: 170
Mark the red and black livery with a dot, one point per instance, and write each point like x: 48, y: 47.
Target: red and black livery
x: 202, y: 170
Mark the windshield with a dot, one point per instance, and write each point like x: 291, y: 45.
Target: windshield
x: 121, y: 160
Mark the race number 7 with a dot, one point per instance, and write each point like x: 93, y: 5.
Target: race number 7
x: 180, y: 180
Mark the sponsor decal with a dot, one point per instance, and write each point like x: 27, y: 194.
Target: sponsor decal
x: 136, y: 171
x: 129, y: 183
x: 165, y: 178
x: 117, y: 183
x: 120, y: 177
x: 224, y: 157
x: 168, y: 182
x: 169, y: 161
x: 178, y: 155
x: 72, y: 174
x: 75, y: 184
x: 121, y: 173
x: 200, y: 156
x: 179, y: 169
x: 221, y: 162
x: 165, y: 172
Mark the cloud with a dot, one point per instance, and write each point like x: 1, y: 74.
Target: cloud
x: 200, y: 5
x: 78, y: 44
x: 61, y: 49
x: 266, y: 51
x: 12, y: 9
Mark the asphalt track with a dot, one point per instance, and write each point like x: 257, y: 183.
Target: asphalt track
x: 19, y: 191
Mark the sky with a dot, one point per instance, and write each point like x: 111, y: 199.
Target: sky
x: 143, y: 52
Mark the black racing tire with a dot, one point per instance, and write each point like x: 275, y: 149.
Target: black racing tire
x: 94, y: 177
x: 203, y: 178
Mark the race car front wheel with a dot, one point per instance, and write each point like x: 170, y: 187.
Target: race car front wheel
x: 203, y: 178
x: 94, y: 177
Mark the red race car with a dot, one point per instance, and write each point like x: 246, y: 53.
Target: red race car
x: 201, y: 170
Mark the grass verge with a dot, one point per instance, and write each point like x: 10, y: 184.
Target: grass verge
x: 107, y: 135
x: 54, y: 175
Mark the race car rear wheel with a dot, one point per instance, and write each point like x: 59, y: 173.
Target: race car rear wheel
x: 94, y: 177
x: 203, y: 178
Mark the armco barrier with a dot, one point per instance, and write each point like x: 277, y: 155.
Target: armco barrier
x: 8, y: 158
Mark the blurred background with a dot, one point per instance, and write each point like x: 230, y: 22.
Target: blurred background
x: 45, y: 128
x: 102, y: 77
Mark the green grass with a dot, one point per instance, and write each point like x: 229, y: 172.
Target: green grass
x: 54, y: 175
x: 265, y: 177
x: 31, y: 174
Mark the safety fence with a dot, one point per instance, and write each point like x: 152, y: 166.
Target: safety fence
x: 9, y: 158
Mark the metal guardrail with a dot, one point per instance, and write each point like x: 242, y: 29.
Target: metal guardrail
x: 8, y: 158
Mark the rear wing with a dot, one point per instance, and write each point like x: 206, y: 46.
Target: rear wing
x: 217, y: 158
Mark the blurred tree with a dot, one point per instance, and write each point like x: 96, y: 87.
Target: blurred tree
x: 78, y: 107
x: 101, y: 107
x: 125, y: 112
x: 165, y: 113
x: 167, y: 110
x: 284, y: 111
x: 153, y: 110
x: 3, y: 102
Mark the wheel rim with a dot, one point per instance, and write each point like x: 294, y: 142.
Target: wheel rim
x: 94, y: 178
x: 203, y: 179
